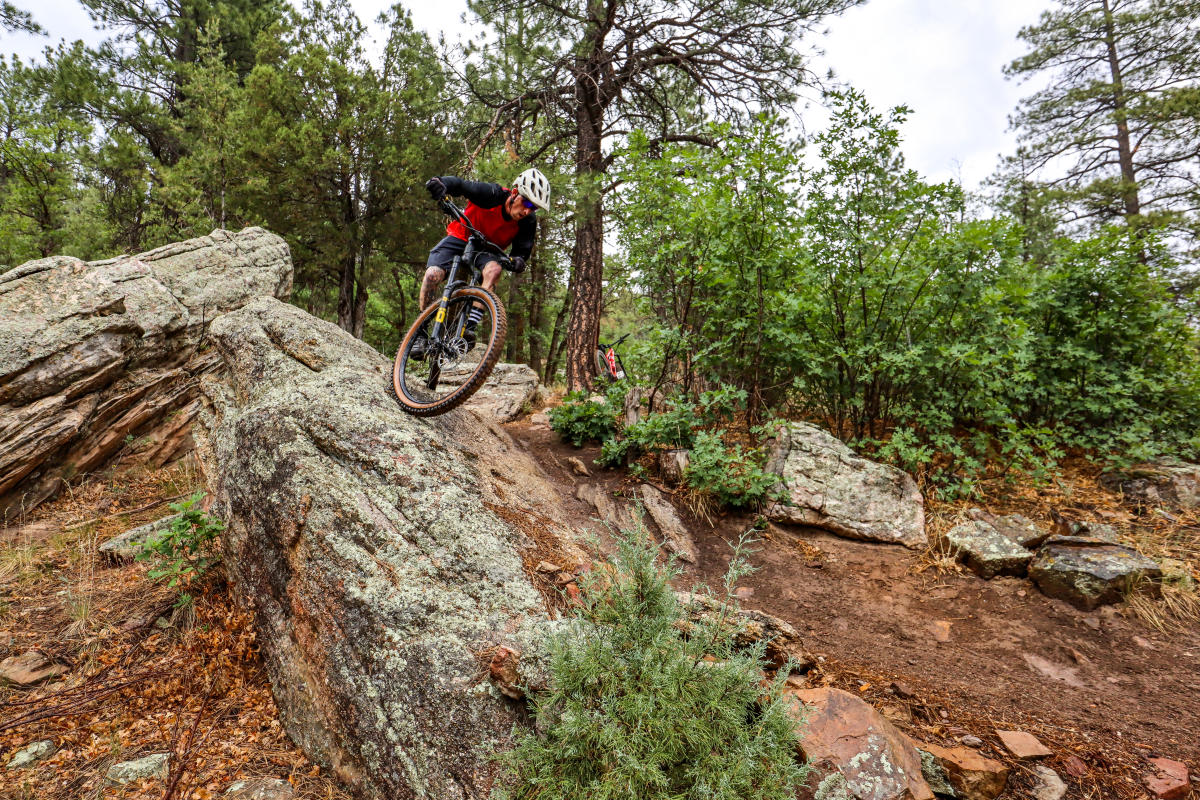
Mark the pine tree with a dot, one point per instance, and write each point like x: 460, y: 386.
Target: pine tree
x: 337, y: 149
x: 607, y: 66
x: 1121, y: 111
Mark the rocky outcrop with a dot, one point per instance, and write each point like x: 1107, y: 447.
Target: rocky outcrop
x: 1089, y: 572
x: 841, y: 733
x: 827, y: 486
x: 101, y: 358
x: 675, y: 535
x: 388, y: 558
x: 1173, y: 485
x: 986, y: 551
x: 507, y: 393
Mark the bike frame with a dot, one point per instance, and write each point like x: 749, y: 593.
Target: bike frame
x: 475, y: 242
x: 608, y: 352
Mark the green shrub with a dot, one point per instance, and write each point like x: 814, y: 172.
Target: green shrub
x: 579, y: 419
x: 185, y: 551
x: 633, y: 709
x: 732, y: 475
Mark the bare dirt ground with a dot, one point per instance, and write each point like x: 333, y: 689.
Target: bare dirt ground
x: 1104, y: 690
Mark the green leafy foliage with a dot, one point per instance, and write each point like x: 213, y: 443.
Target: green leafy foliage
x: 634, y: 709
x: 864, y: 297
x: 580, y: 419
x: 185, y: 550
x: 734, y: 476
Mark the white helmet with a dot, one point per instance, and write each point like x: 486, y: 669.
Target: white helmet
x: 533, y: 186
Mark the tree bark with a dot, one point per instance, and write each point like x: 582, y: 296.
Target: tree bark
x: 1129, y: 191
x: 583, y: 330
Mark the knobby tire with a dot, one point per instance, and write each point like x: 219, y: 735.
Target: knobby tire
x: 499, y: 329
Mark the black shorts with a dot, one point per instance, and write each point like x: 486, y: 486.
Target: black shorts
x: 443, y: 253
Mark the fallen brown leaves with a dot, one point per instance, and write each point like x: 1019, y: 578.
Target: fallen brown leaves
x: 144, y: 676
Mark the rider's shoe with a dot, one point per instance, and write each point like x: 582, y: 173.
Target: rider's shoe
x: 420, y: 347
x: 469, y: 336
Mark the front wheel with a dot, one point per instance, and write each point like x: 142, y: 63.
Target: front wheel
x: 433, y: 375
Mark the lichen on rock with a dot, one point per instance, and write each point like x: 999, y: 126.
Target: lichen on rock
x: 371, y: 547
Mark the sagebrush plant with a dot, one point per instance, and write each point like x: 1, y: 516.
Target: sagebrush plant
x: 184, y: 551
x: 637, y: 709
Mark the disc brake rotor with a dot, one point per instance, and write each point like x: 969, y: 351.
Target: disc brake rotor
x: 452, y: 352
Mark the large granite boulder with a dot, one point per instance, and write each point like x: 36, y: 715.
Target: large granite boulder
x: 827, y: 486
x: 508, y: 392
x: 1089, y: 572
x: 1173, y: 485
x: 100, y: 358
x: 388, y: 559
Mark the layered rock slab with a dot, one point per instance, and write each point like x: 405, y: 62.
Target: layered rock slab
x: 828, y: 486
x: 1172, y: 485
x: 384, y: 556
x: 96, y: 357
x: 840, y: 732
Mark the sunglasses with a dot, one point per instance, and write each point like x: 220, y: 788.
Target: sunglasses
x: 529, y: 204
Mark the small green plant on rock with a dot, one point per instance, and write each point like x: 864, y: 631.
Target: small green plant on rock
x: 184, y: 551
x: 636, y: 707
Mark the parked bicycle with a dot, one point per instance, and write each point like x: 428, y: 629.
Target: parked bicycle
x: 608, y: 361
x: 442, y: 361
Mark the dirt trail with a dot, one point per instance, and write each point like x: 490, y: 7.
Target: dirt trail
x: 975, y: 655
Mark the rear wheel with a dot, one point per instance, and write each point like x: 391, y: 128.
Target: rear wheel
x: 450, y: 369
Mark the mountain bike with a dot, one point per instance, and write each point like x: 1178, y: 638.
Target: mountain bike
x: 608, y: 361
x: 443, y: 360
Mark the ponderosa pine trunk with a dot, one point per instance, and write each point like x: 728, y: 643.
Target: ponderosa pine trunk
x: 587, y: 275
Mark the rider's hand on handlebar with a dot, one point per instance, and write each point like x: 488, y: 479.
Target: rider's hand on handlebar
x: 437, y: 189
x: 516, y: 265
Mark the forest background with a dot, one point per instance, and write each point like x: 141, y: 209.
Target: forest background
x: 960, y: 335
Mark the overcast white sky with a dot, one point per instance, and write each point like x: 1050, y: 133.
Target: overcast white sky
x: 943, y: 59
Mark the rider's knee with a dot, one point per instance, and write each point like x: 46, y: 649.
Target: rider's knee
x: 435, y: 274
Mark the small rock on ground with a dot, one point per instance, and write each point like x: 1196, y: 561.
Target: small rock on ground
x: 1049, y: 786
x: 125, y: 547
x: 578, y: 466
x: 840, y: 730
x: 260, y: 789
x: 1167, y: 780
x: 973, y: 776
x: 31, y: 754
x: 29, y: 668
x: 987, y: 552
x: 145, y: 767
x: 1023, y: 745
x: 1088, y: 573
x: 676, y: 537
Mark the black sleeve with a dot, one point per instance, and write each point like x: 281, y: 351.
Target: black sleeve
x: 484, y: 195
x: 522, y: 244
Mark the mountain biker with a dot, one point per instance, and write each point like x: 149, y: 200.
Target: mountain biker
x: 505, y: 216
